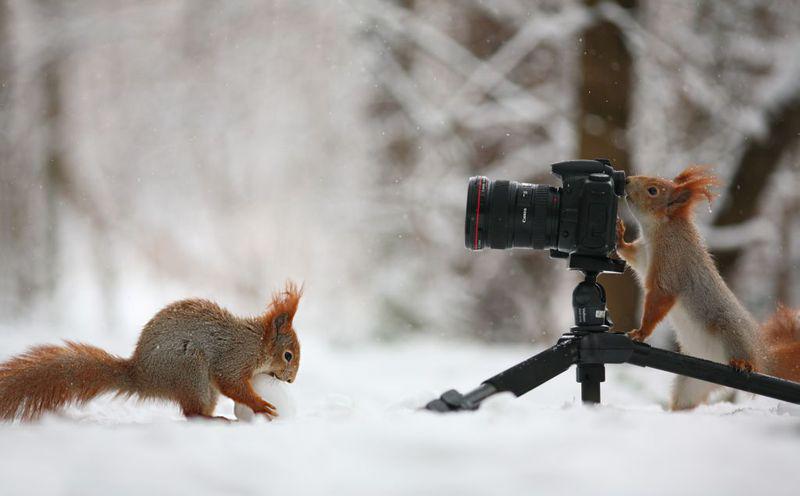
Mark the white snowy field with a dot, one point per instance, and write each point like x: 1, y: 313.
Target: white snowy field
x: 358, y: 431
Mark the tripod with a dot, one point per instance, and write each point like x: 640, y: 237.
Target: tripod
x: 589, y: 345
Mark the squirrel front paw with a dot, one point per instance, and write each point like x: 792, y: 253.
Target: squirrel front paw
x: 620, y: 231
x: 266, y: 409
x: 637, y: 335
x: 622, y: 245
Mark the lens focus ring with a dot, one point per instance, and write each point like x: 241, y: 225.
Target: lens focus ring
x: 500, y: 215
x: 541, y: 200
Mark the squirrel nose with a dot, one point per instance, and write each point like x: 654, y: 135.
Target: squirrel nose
x: 627, y: 180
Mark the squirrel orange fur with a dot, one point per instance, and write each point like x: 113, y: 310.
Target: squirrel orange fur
x: 189, y: 353
x: 680, y: 278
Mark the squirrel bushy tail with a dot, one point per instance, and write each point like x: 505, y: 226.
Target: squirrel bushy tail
x: 782, y: 334
x: 48, y: 377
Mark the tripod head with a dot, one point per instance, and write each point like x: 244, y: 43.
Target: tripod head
x: 589, y: 296
x: 589, y: 305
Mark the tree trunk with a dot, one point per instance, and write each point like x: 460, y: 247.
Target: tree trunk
x: 607, y: 82
x: 783, y: 279
x: 12, y: 201
x: 54, y: 171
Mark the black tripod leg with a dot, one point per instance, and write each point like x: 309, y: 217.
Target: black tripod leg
x: 590, y: 375
x: 705, y: 370
x: 519, y: 379
x: 590, y: 392
x: 538, y: 369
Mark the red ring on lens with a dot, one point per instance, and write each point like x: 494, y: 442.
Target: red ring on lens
x: 478, y: 212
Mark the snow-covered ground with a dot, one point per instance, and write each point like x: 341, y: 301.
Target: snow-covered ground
x: 358, y: 431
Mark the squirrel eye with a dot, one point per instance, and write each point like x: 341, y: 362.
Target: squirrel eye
x: 287, y: 355
x: 652, y: 190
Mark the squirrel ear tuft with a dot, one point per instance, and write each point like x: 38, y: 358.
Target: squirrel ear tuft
x: 282, y: 307
x: 692, y: 172
x: 692, y: 185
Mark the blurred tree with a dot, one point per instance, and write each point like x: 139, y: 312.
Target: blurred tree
x: 31, y: 199
x: 398, y: 148
x: 157, y: 132
x: 25, y: 271
x: 387, y: 106
x: 718, y: 86
x: 13, y: 280
x: 784, y: 292
x: 55, y: 172
x: 604, y: 95
x: 760, y: 158
x: 502, y: 308
x: 481, y: 94
x: 40, y: 178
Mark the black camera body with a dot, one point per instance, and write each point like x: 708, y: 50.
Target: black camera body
x: 576, y: 220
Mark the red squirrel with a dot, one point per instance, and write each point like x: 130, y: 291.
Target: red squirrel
x: 189, y: 353
x: 679, y: 278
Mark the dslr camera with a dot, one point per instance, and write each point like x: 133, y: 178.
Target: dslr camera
x: 575, y: 221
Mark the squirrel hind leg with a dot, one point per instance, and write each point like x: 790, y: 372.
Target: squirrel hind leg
x: 688, y: 393
x: 192, y: 408
x: 206, y: 417
x: 199, y: 405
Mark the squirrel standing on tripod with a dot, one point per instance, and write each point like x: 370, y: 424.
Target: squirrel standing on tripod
x: 679, y: 277
x: 189, y: 353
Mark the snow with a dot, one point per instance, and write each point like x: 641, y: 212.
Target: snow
x: 275, y: 392
x: 358, y: 431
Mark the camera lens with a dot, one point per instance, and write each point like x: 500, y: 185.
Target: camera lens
x: 506, y: 214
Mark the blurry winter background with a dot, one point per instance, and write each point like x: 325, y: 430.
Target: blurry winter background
x: 155, y: 150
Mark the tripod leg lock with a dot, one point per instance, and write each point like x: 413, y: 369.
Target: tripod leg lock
x: 590, y: 372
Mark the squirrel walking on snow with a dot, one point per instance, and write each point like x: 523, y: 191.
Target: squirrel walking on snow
x: 189, y: 353
x: 679, y: 277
